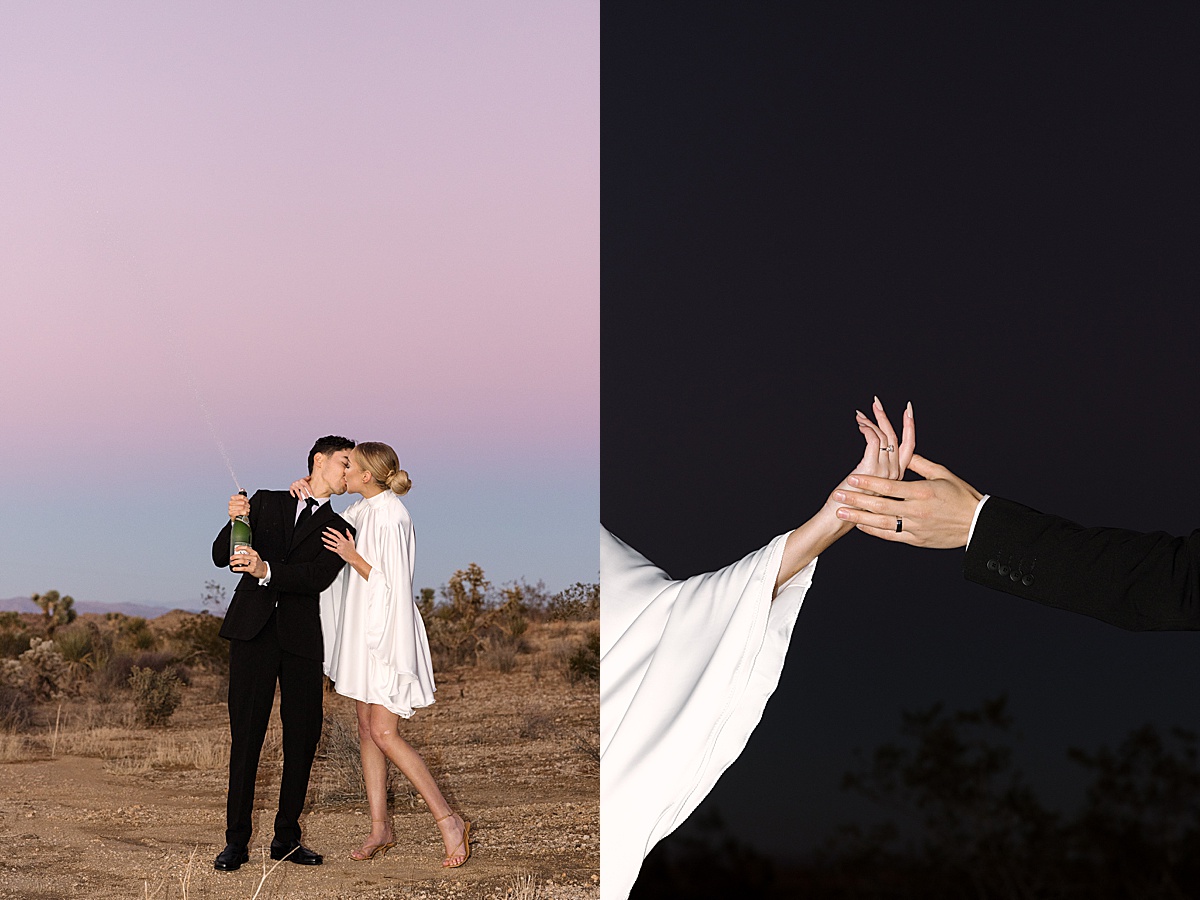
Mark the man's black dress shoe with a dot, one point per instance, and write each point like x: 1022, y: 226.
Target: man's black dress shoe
x: 231, y: 858
x: 299, y: 853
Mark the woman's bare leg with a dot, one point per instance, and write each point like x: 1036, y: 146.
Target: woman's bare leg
x: 383, y: 733
x: 374, y: 766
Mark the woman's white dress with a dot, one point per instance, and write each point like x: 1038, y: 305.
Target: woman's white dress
x: 686, y: 668
x: 375, y: 644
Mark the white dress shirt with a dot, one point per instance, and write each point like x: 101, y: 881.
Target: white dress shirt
x: 300, y: 504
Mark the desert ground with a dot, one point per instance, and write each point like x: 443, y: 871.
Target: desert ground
x: 94, y: 805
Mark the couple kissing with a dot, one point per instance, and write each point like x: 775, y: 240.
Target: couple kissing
x: 327, y: 594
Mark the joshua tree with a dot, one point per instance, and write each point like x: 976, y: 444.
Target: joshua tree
x: 467, y: 593
x: 57, y: 610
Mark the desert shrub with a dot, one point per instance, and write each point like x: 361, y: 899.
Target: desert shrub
x: 16, y: 697
x: 426, y: 602
x: 587, y: 747
x: 498, y: 655
x: 584, y: 662
x: 14, y: 635
x: 475, y: 625
x: 535, y: 723
x: 163, y: 662
x: 112, y: 674
x: 44, y: 669
x: 156, y: 695
x: 144, y: 640
x: 533, y: 599
x: 116, y: 669
x: 75, y: 643
x: 579, y: 602
x: 16, y: 707
x: 199, y: 639
x: 135, y: 633
x: 81, y: 647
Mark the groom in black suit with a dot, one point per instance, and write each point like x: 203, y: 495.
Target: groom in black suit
x: 274, y: 630
x: 1134, y: 580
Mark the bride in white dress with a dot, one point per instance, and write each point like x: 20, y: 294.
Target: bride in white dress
x: 376, y: 650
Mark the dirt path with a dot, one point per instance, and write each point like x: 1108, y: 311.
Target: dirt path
x: 120, y: 811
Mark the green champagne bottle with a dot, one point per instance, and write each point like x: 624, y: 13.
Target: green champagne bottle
x: 239, y: 534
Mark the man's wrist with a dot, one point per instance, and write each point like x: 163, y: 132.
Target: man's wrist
x: 975, y: 518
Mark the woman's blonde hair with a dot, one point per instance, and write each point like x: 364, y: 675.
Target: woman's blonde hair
x: 383, y: 464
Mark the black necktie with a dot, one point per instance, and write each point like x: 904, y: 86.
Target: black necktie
x: 305, y: 514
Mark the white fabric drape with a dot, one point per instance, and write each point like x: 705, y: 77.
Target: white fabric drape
x: 686, y: 668
x: 376, y: 649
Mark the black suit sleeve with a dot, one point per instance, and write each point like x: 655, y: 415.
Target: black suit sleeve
x: 309, y: 577
x: 220, y: 548
x: 1136, y: 581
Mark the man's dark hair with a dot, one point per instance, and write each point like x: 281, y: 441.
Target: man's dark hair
x: 331, y: 443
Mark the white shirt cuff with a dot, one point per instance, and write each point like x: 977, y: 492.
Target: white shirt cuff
x: 266, y: 579
x: 975, y: 518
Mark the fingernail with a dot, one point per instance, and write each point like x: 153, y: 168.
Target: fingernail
x: 858, y: 413
x: 839, y: 495
x: 910, y: 412
x: 877, y: 403
x: 852, y: 480
x: 843, y: 513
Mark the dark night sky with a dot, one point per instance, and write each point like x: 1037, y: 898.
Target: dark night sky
x: 992, y: 211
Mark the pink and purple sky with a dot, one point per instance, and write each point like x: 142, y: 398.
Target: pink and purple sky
x: 372, y: 219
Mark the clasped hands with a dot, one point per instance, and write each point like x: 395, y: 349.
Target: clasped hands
x: 934, y: 512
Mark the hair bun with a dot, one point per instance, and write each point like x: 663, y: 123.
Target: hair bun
x: 399, y: 482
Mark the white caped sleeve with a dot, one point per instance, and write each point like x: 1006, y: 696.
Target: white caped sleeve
x: 391, y: 619
x: 686, y: 669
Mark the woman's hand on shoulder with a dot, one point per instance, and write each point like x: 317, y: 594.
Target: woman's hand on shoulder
x: 340, y: 543
x: 301, y: 489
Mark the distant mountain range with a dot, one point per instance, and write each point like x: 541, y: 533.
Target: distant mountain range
x: 24, y: 604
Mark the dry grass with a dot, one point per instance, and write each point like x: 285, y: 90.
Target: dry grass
x: 18, y: 748
x: 523, y: 887
x: 587, y: 746
x: 185, y: 879
x: 205, y: 754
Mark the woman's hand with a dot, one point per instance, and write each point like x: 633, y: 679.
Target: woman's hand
x: 302, y: 490
x: 341, y: 544
x: 885, y: 457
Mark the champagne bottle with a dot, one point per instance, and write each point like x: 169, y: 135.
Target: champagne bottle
x: 239, y: 533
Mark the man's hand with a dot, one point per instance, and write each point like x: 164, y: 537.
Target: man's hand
x: 239, y: 505
x: 936, y: 512
x: 248, y: 562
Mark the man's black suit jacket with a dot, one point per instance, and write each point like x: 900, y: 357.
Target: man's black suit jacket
x: 301, y: 567
x: 1141, y: 582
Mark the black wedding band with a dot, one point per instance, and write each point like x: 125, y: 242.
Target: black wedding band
x: 899, y: 524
